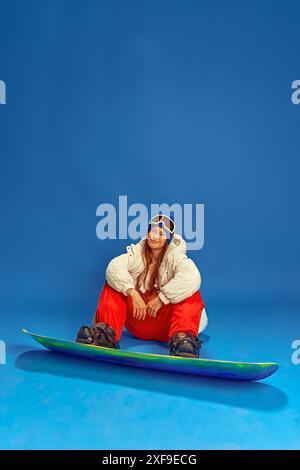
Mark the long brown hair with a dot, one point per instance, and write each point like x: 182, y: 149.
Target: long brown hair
x: 147, y: 257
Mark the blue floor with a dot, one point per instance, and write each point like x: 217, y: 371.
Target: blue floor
x: 48, y: 401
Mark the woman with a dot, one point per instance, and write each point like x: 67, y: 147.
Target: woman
x: 153, y: 290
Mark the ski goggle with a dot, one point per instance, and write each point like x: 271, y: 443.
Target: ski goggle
x: 164, y: 222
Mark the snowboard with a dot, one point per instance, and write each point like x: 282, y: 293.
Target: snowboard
x: 247, y: 371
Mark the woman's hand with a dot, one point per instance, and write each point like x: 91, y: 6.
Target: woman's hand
x: 138, y: 305
x: 153, y: 306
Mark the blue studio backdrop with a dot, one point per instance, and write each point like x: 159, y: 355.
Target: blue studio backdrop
x: 188, y: 102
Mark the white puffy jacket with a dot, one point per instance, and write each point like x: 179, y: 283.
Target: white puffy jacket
x: 179, y: 275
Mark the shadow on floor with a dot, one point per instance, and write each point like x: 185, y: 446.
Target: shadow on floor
x: 249, y: 395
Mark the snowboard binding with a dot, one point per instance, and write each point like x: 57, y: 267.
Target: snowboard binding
x: 99, y: 334
x: 184, y: 345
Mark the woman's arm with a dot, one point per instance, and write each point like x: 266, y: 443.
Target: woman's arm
x: 117, y: 274
x: 186, y: 282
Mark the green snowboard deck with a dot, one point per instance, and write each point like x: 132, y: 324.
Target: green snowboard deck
x: 247, y: 371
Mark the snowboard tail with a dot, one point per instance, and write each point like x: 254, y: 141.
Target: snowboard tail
x: 247, y: 371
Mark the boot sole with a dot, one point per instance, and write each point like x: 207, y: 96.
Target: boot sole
x: 186, y: 355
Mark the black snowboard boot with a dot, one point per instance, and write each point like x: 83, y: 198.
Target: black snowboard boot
x: 99, y: 334
x: 105, y: 336
x: 85, y: 335
x: 184, y: 345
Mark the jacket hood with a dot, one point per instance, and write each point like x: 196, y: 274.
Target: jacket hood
x: 177, y: 243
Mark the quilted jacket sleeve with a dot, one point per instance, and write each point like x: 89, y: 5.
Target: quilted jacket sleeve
x: 117, y: 274
x: 185, y: 282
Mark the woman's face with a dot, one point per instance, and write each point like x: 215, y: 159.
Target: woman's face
x: 157, y: 238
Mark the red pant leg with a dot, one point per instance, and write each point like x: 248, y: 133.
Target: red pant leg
x: 186, y: 315
x: 111, y: 309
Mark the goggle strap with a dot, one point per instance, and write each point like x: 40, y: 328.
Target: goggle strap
x: 161, y: 225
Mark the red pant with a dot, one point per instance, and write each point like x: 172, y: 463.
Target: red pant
x: 115, y: 309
